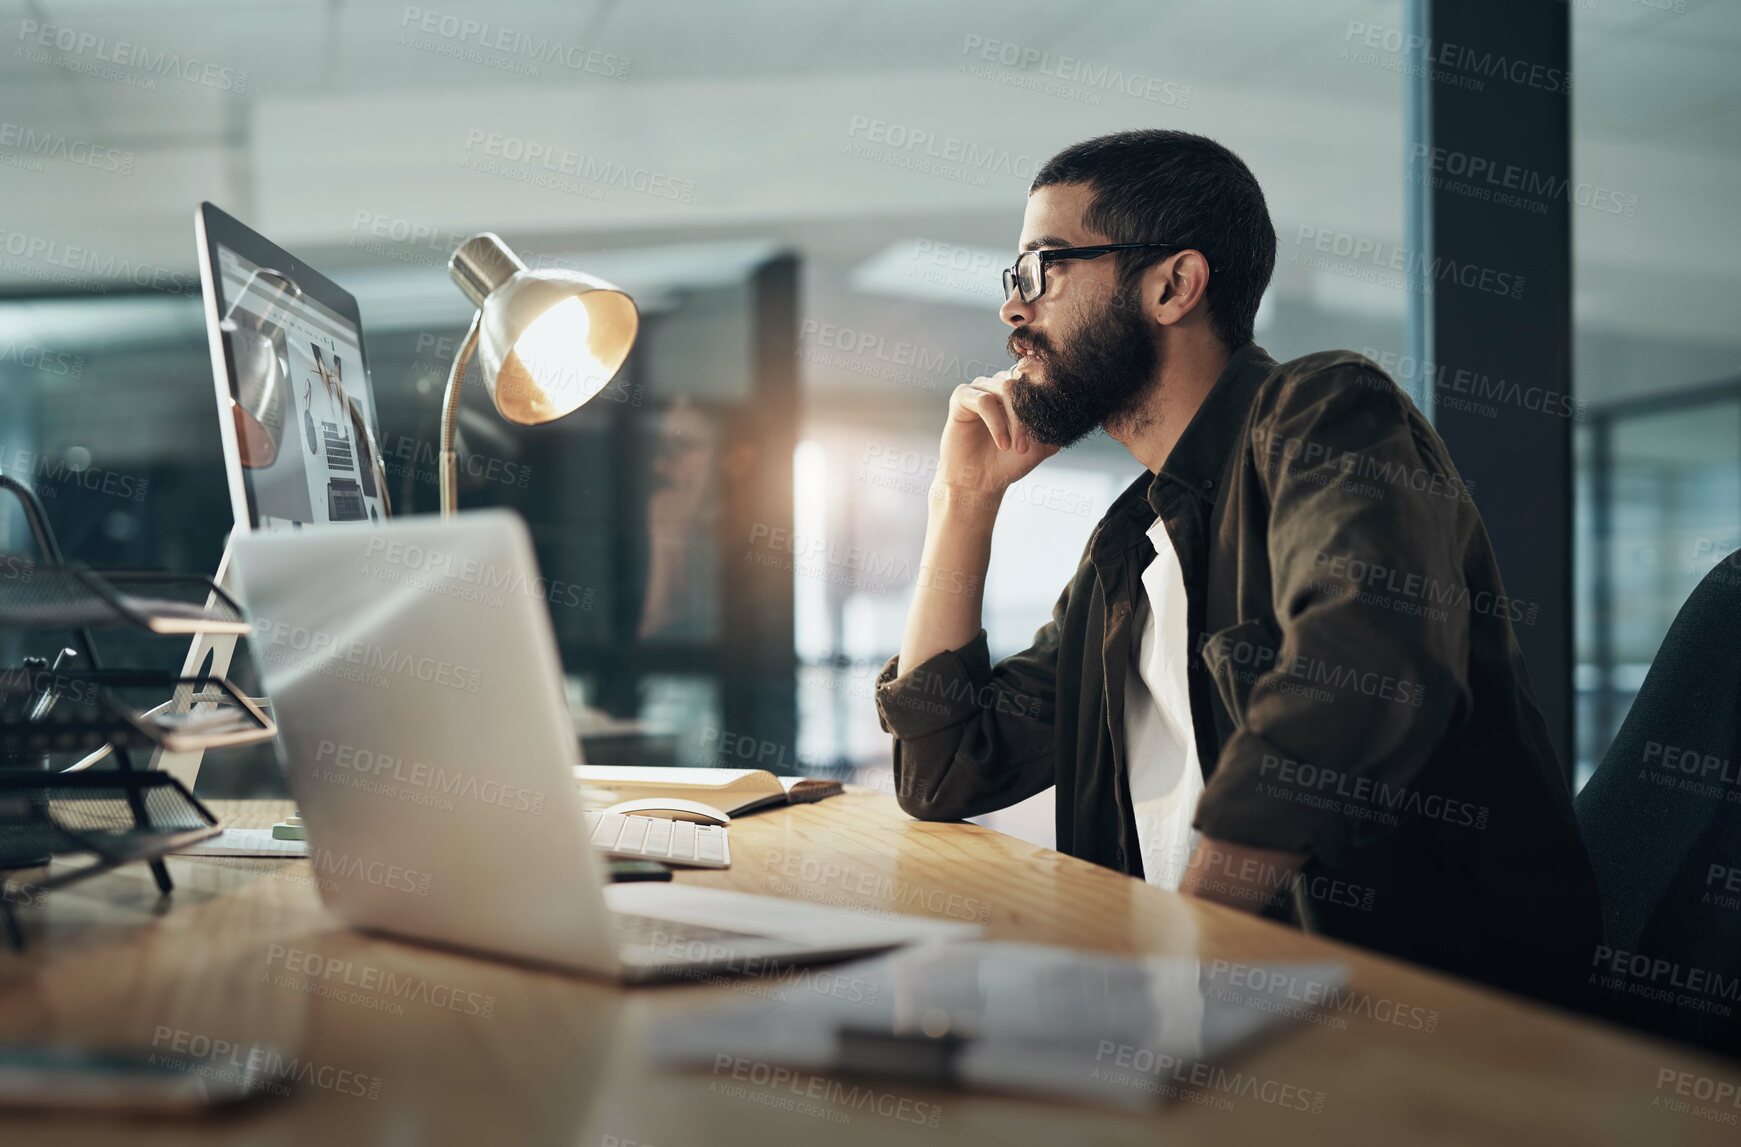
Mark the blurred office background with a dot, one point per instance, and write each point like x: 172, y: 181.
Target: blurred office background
x: 812, y: 201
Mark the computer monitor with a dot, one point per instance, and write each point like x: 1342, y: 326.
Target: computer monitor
x: 295, y: 412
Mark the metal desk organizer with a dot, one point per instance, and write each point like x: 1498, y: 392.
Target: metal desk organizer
x: 98, y: 819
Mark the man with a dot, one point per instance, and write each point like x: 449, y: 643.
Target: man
x: 1284, y: 676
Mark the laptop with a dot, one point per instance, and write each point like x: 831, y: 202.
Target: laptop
x: 413, y: 672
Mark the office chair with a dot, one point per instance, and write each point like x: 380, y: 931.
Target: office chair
x: 1662, y: 821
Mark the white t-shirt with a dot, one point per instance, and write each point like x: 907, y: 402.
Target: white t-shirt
x: 1160, y: 744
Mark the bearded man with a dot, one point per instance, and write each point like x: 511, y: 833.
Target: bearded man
x: 1284, y: 676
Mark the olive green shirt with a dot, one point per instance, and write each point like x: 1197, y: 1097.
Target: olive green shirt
x: 1358, y: 693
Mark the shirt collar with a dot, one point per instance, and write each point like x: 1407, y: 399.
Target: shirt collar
x: 1199, y: 457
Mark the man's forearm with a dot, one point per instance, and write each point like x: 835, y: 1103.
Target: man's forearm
x: 1239, y: 875
x: 950, y: 592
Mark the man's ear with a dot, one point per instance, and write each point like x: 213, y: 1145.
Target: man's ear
x: 1174, y: 287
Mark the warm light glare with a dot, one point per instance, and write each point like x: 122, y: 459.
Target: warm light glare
x: 552, y: 368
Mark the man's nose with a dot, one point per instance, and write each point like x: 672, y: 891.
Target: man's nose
x: 1015, y: 312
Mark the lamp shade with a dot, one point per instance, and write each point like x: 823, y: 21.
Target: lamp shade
x: 548, y: 340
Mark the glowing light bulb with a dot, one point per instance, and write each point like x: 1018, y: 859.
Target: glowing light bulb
x: 552, y: 369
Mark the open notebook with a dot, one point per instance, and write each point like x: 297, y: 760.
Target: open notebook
x: 732, y: 791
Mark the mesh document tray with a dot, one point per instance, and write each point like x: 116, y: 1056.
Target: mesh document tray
x: 125, y: 707
x: 37, y: 596
x: 110, y: 817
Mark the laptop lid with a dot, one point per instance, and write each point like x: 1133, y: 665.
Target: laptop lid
x: 416, y: 684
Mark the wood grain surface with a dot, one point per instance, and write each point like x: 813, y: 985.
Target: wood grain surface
x: 402, y: 1044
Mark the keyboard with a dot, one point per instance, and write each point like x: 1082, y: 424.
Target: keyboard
x: 656, y: 838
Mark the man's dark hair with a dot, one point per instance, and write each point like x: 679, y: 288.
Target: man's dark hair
x: 1175, y: 187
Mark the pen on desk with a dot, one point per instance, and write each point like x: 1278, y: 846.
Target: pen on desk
x: 51, y: 691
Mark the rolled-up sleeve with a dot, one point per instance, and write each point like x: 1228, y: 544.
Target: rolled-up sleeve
x: 1371, y: 621
x: 971, y: 737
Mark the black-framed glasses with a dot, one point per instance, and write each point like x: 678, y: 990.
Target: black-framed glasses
x: 1028, y: 275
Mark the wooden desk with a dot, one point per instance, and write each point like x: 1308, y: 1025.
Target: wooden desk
x: 477, y: 1052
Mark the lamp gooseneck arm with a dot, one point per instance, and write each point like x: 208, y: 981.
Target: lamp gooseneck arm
x: 450, y: 419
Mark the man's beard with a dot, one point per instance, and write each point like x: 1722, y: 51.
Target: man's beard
x: 1101, y: 380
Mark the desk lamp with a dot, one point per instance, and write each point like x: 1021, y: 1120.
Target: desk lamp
x: 547, y: 341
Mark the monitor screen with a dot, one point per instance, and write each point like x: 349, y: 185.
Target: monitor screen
x: 303, y: 417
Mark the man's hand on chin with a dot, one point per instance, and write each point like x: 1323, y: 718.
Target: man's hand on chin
x: 1238, y: 875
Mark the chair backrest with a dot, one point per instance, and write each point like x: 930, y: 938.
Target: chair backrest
x: 1662, y: 821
